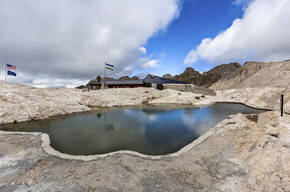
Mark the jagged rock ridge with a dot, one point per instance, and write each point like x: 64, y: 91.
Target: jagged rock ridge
x: 129, y: 78
x: 208, y: 78
x: 257, y: 74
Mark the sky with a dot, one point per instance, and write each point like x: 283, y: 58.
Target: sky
x: 66, y: 43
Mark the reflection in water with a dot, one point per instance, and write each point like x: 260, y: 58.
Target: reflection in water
x: 149, y: 131
x: 99, y: 115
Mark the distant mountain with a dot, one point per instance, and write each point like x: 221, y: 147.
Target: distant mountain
x: 208, y: 78
x: 129, y: 78
x: 188, y: 76
x: 225, y: 70
x: 168, y: 76
x: 257, y: 74
x: 215, y: 74
x: 205, y: 79
x: 108, y: 78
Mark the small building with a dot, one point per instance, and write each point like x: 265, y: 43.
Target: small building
x: 117, y: 84
x: 125, y: 83
x: 148, y: 81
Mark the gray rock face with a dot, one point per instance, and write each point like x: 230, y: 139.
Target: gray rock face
x: 215, y: 74
x: 188, y: 76
x: 168, y: 76
x: 208, y: 78
x: 257, y: 74
x: 225, y: 70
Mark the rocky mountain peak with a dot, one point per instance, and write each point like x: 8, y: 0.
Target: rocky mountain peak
x: 208, y: 78
x: 129, y: 78
x: 168, y: 76
x: 188, y: 76
x: 256, y: 74
x: 225, y: 70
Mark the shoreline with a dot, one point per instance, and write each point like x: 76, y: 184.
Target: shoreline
x: 45, y: 145
x: 105, y: 109
x: 45, y: 138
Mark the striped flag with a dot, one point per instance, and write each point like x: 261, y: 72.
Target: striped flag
x: 11, y: 73
x: 110, y: 67
x: 10, y: 66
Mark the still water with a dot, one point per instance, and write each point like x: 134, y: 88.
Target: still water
x: 153, y: 130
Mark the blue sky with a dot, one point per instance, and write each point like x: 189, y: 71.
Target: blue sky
x: 66, y: 43
x: 197, y: 20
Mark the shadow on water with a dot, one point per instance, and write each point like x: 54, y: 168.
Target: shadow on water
x: 152, y: 130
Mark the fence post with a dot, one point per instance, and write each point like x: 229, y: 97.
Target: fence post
x: 282, y: 98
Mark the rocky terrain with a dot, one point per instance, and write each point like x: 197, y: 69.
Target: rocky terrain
x: 242, y: 153
x: 217, y: 73
x: 23, y: 103
x: 258, y: 75
x: 206, y: 79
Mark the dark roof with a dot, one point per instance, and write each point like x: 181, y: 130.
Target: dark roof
x: 148, y: 79
x: 160, y: 80
x: 119, y: 82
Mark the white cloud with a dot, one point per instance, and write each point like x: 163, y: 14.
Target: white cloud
x: 43, y: 80
x: 151, y: 64
x: 147, y: 62
x: 262, y: 34
x: 74, y: 38
x: 143, y: 50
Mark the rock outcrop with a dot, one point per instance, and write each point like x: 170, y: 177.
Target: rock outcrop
x: 129, y: 78
x: 168, y: 76
x: 257, y: 74
x: 188, y: 76
x: 206, y: 79
x: 215, y: 74
x: 224, y: 70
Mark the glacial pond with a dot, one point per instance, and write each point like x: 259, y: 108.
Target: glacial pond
x: 152, y: 130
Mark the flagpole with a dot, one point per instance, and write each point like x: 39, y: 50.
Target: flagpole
x: 105, y: 76
x: 5, y: 72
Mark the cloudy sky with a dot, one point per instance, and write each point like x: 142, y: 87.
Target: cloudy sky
x: 57, y: 43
